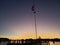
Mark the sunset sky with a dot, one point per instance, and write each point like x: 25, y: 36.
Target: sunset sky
x: 17, y: 20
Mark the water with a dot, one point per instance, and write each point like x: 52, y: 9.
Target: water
x: 56, y: 43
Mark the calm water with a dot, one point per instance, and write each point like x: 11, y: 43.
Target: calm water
x: 56, y: 43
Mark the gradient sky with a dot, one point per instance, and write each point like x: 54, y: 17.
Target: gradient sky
x: 17, y: 21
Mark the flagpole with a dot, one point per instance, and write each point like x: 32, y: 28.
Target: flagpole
x: 34, y: 12
x: 35, y: 24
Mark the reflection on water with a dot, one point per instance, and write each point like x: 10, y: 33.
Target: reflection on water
x: 56, y: 43
x: 51, y: 43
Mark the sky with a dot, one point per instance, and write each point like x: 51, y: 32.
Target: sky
x: 17, y: 19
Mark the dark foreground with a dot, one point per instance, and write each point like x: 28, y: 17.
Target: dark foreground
x: 6, y: 41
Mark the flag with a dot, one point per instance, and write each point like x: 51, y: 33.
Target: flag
x: 33, y: 8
